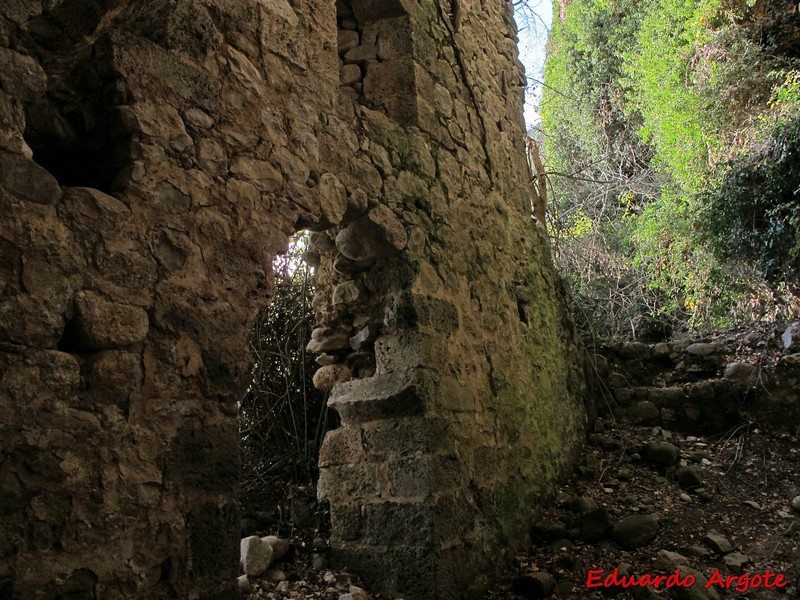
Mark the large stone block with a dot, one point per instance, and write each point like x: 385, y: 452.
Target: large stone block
x: 100, y: 324
x: 380, y: 397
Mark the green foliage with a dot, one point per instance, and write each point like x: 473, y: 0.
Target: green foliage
x: 754, y: 213
x: 673, y: 127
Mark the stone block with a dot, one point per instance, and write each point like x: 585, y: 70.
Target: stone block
x: 346, y: 522
x: 381, y: 397
x: 112, y: 376
x: 21, y: 75
x: 377, y: 234
x: 349, y: 483
x: 392, y: 85
x: 409, y: 477
x: 394, y: 39
x: 102, y: 324
x: 330, y: 375
x: 407, y: 309
x: 342, y: 446
x: 402, y: 437
x: 255, y: 555
x: 398, y: 523
x: 28, y: 181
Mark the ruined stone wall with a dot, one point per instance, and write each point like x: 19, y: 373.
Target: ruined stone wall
x: 154, y: 157
x: 450, y: 361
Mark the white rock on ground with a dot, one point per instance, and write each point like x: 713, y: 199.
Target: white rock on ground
x: 243, y: 583
x: 280, y: 546
x: 256, y: 555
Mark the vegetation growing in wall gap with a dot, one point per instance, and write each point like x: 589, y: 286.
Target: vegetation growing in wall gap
x: 283, y: 417
x: 671, y: 136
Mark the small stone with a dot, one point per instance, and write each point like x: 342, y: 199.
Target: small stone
x: 379, y: 233
x: 27, y: 180
x: 243, y: 583
x: 333, y: 198
x: 255, y: 555
x: 350, y: 74
x: 661, y: 350
x: 347, y: 40
x: 355, y: 593
x: 347, y: 292
x: 684, y: 497
x: 548, y: 530
x: 695, y: 592
x: 704, y: 495
x: 689, y: 478
x: 740, y: 372
x: 280, y: 546
x: 635, y: 350
x: 101, y: 323
x: 363, y: 337
x: 796, y: 504
x: 635, y: 531
x: 791, y: 338
x: 361, y: 55
x: 736, y: 561
x: 662, y: 453
x: 324, y: 343
x: 594, y: 525
x: 275, y: 575
x: 701, y: 349
x: 717, y: 542
x: 582, y: 504
x: 667, y: 560
x: 330, y: 375
x: 533, y: 585
x: 319, y: 562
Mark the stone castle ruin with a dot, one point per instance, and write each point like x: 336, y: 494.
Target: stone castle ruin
x: 154, y: 157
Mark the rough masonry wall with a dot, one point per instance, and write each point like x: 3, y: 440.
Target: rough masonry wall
x: 450, y: 360
x: 154, y: 156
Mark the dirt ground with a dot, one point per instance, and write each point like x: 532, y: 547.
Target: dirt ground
x: 748, y: 477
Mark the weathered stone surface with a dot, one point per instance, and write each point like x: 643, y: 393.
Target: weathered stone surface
x: 717, y: 542
x: 377, y: 234
x: 594, y: 525
x: 256, y: 555
x: 533, y: 585
x: 689, y: 478
x: 791, y: 338
x: 27, y: 180
x: 101, y: 324
x: 662, y: 453
x: 635, y: 531
x: 701, y: 349
x: 329, y: 375
x: 280, y: 546
x: 740, y: 372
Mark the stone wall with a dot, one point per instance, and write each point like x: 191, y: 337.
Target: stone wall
x: 450, y: 363
x: 703, y: 384
x: 154, y: 158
